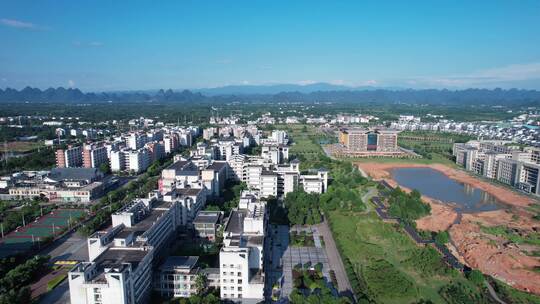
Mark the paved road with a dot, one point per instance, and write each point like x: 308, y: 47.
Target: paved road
x: 334, y: 259
x: 59, y: 295
x: 493, y: 294
x: 70, y: 247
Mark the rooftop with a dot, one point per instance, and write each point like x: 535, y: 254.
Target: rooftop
x: 217, y: 166
x: 179, y: 262
x: 179, y: 165
x: 236, y: 222
x: 60, y: 174
x: 115, y: 257
x: 210, y: 217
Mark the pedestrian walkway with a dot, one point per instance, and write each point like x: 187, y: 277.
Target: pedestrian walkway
x: 334, y: 259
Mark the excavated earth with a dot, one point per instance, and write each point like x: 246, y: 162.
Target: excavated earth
x: 493, y: 255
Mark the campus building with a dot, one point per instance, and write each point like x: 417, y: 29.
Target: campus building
x: 73, y: 185
x: 241, y: 258
x: 368, y: 140
x: 121, y: 259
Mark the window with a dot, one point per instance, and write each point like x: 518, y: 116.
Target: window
x: 239, y: 295
x: 239, y: 281
x: 240, y: 288
x: 239, y: 274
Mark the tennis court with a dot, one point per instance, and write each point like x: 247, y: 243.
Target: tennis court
x: 49, y: 225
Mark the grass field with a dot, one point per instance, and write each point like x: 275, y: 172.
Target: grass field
x: 305, y: 144
x: 22, y: 146
x: 395, y: 269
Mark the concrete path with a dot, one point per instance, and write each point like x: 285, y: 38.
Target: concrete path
x: 334, y: 259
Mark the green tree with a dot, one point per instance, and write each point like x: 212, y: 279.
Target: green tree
x: 475, y: 276
x: 105, y: 168
x: 201, y: 283
x: 442, y: 237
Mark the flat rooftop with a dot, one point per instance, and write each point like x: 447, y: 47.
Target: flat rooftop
x: 179, y: 165
x: 236, y: 222
x: 207, y: 217
x: 216, y: 166
x: 115, y: 257
x: 179, y: 262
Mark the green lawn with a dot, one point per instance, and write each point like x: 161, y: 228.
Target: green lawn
x: 394, y: 268
x: 55, y: 281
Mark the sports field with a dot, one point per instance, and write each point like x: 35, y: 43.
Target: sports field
x: 47, y: 226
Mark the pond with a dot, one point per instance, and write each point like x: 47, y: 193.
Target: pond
x: 432, y: 183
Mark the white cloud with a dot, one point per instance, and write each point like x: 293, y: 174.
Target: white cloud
x: 486, y: 77
x: 23, y: 25
x: 71, y: 83
x: 337, y: 82
x: 17, y: 24
x: 306, y: 82
x: 370, y: 82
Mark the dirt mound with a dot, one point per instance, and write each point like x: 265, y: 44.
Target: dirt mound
x: 495, y: 256
x: 490, y: 253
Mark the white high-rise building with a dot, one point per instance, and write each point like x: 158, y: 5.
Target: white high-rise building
x: 241, y: 257
x: 280, y: 137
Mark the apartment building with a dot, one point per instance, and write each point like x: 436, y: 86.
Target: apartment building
x: 241, y: 257
x: 70, y: 157
x: 280, y: 137
x: 136, y: 140
x: 188, y: 202
x: 130, y: 160
x: 180, y: 174
x: 502, y: 161
x: 171, y: 142
x: 277, y: 154
x: 93, y: 155
x: 209, y: 133
x: 226, y: 148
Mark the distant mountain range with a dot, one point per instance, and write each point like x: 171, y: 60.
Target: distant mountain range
x: 279, y: 88
x: 320, y: 92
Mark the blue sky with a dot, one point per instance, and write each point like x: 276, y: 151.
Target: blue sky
x: 118, y: 45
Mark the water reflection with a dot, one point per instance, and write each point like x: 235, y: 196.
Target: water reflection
x: 435, y: 184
